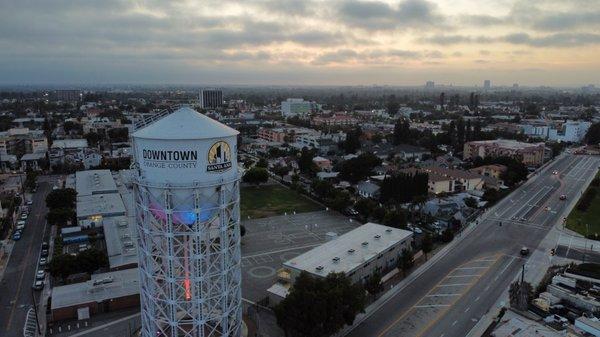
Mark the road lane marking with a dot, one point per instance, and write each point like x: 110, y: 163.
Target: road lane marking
x: 454, y: 284
x: 446, y: 306
x: 431, y: 306
x: 477, y: 299
x: 467, y: 309
x: 454, y: 323
x: 455, y: 276
x: 442, y: 295
x: 463, y: 268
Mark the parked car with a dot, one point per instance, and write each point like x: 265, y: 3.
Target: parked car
x: 38, y: 285
x: 17, y: 236
x: 45, y: 245
x: 40, y: 275
x: 20, y: 227
x: 563, y: 197
x: 44, y: 253
x: 524, y: 251
x: 24, y: 216
x: 29, y: 202
x: 43, y: 261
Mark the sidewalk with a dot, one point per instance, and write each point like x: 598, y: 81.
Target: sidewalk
x: 6, y: 246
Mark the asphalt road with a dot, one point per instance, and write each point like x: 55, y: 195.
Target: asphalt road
x: 450, y: 297
x: 15, y: 288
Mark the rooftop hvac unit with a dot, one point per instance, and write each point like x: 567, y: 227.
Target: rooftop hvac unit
x: 319, y: 268
x: 377, y: 237
x: 336, y: 259
x: 365, y: 243
x: 351, y: 251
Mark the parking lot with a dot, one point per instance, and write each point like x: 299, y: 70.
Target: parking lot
x: 271, y: 241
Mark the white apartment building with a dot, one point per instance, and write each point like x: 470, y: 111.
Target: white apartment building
x: 296, y: 106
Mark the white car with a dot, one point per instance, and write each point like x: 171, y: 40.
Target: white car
x: 38, y: 285
x: 43, y: 261
x: 40, y: 275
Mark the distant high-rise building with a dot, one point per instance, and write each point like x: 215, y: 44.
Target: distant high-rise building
x: 429, y: 85
x: 515, y: 85
x: 68, y: 95
x: 487, y: 84
x: 211, y: 98
x: 296, y: 106
x: 442, y: 99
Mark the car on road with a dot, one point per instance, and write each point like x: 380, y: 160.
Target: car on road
x: 40, y: 275
x: 38, y: 285
x: 555, y: 173
x: 547, y: 208
x: 523, y: 218
x: 563, y: 197
x: 43, y: 261
x: 350, y: 211
x: 524, y: 251
x: 17, y: 236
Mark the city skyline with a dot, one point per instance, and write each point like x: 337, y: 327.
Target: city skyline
x: 301, y: 43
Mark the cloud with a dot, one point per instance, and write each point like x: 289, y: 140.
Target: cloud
x: 557, y: 40
x: 375, y: 56
x: 377, y: 15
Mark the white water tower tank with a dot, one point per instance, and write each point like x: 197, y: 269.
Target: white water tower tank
x: 187, y: 211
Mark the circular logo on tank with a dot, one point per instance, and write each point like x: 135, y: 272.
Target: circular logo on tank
x: 219, y: 157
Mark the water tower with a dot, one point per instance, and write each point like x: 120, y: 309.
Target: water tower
x: 187, y: 212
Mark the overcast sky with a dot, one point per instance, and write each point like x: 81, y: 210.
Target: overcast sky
x: 460, y: 42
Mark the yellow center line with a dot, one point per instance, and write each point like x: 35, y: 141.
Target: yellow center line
x: 401, y: 317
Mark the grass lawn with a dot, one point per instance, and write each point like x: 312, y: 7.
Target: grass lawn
x: 270, y: 200
x: 577, y: 220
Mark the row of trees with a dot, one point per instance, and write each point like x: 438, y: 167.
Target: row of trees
x: 61, y: 206
x: 404, y: 187
x: 88, y: 261
x: 516, y: 170
x: 359, y: 168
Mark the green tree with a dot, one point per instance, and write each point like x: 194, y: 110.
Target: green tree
x: 427, y: 244
x: 319, y: 307
x: 60, y: 216
x: 359, y: 168
x: 471, y: 202
x: 373, y: 284
x: 63, y: 265
x: 305, y: 161
x: 405, y: 262
x: 262, y: 162
x: 352, y: 142
x: 118, y: 135
x: 520, y: 294
x: 396, y: 219
x: 280, y: 170
x: 592, y: 137
x: 256, y: 175
x: 61, y: 198
x: 91, y: 260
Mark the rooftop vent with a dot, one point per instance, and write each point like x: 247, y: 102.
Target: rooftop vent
x: 336, y: 259
x: 350, y: 251
x: 365, y: 243
x: 377, y: 237
x: 319, y: 268
x: 389, y: 230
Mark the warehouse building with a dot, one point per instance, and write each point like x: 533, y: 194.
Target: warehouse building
x: 358, y: 254
x: 105, y: 292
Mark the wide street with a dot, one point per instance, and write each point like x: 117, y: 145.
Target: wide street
x: 448, y: 298
x: 15, y: 288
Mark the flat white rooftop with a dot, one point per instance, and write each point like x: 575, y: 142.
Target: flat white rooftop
x: 349, y: 251
x: 116, y: 284
x: 94, y: 182
x: 121, y: 242
x: 105, y: 205
x: 69, y: 144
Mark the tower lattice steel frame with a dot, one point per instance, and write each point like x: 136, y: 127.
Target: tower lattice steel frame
x: 189, y: 258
